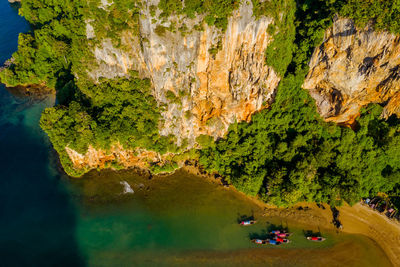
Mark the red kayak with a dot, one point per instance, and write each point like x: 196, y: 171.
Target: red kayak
x: 316, y: 238
x: 282, y: 240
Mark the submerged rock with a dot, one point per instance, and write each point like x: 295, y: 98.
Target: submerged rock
x: 127, y: 188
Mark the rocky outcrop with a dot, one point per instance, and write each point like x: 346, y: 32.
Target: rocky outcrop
x: 204, y: 80
x: 98, y: 158
x: 352, y: 68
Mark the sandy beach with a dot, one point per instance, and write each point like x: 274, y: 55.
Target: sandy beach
x: 356, y: 219
x: 363, y: 220
x: 367, y: 238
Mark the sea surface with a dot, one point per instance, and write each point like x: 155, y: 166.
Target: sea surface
x: 126, y: 218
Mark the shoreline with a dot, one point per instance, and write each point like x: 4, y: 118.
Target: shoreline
x: 363, y: 220
x: 357, y: 219
x: 163, y: 193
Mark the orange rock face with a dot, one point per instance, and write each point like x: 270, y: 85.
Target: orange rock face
x: 352, y: 68
x: 203, y: 80
x: 217, y: 77
x: 235, y: 83
x: 97, y: 158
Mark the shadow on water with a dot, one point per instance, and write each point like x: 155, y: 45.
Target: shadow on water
x: 37, y: 217
x: 308, y: 233
x: 266, y: 233
x: 245, y: 217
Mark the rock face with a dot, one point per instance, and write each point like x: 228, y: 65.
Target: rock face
x: 352, y: 68
x: 97, y: 158
x: 201, y: 91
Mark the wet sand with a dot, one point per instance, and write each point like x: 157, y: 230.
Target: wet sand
x: 360, y: 219
x: 363, y: 220
x: 357, y: 219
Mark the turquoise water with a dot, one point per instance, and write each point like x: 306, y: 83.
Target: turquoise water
x: 37, y: 217
x: 48, y: 219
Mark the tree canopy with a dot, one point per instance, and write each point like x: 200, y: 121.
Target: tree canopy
x: 285, y: 155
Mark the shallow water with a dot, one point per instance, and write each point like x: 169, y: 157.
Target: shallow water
x: 48, y: 219
x: 189, y: 220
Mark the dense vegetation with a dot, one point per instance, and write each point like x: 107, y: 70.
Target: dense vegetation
x: 57, y: 54
x: 285, y: 155
x: 44, y: 55
x: 115, y: 111
x: 288, y: 154
x: 385, y: 14
x: 216, y: 12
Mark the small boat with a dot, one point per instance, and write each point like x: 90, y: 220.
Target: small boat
x: 282, y: 240
x: 248, y: 222
x: 259, y: 241
x: 273, y: 242
x: 265, y: 242
x: 316, y: 238
x: 283, y: 234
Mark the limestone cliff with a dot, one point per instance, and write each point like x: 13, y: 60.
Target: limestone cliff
x: 97, y: 158
x: 352, y: 68
x: 204, y: 79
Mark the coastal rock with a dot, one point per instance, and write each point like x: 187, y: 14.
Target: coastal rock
x: 98, y: 158
x: 352, y: 68
x: 204, y: 80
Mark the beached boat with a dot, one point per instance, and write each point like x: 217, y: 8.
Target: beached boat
x: 265, y: 242
x: 282, y: 240
x: 259, y: 241
x: 282, y: 235
x: 248, y: 222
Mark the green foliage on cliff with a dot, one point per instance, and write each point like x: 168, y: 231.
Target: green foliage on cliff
x: 282, y: 30
x: 285, y: 155
x: 216, y: 12
x: 288, y: 154
x: 45, y: 55
x: 110, y: 20
x: 313, y: 18
x: 58, y: 46
x: 384, y: 14
x: 119, y: 110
